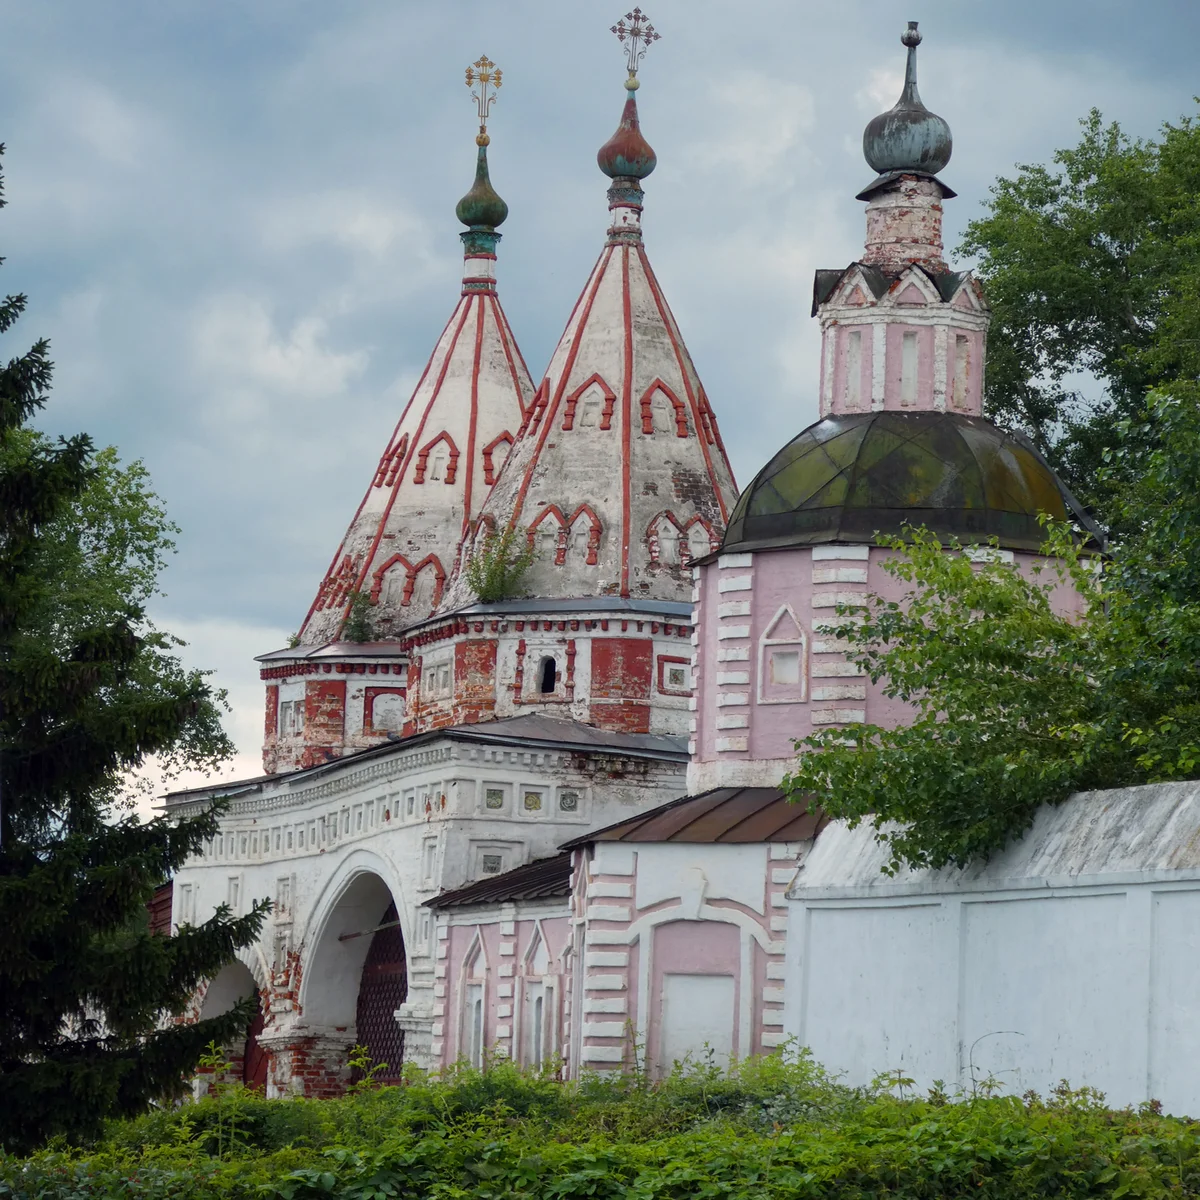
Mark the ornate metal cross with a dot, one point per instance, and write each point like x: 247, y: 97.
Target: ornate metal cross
x: 487, y: 76
x: 636, y: 37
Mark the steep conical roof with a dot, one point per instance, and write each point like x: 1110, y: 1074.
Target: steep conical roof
x: 618, y: 476
x: 444, y: 454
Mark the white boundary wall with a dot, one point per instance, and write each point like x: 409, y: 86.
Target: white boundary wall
x: 1074, y: 953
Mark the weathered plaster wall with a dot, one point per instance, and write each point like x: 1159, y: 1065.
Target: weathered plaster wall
x: 1072, y: 954
x: 505, y: 956
x: 750, y: 607
x: 682, y: 952
x: 420, y: 821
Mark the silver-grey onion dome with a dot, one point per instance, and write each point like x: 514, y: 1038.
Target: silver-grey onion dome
x: 908, y: 137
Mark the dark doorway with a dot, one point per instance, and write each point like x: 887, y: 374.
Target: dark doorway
x: 254, y: 1063
x: 548, y: 676
x: 382, y: 989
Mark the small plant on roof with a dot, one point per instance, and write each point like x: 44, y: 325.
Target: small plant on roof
x: 498, y: 563
x: 359, y: 626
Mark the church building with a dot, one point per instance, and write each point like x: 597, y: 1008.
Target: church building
x: 549, y: 825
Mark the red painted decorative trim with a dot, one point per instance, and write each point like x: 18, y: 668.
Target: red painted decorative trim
x: 652, y: 542
x: 519, y: 678
x: 714, y: 539
x: 461, y: 308
x: 410, y: 581
x: 560, y: 548
x: 489, y: 468
x: 423, y: 458
x: 681, y: 425
x: 390, y: 463
x: 687, y: 370
x: 594, y: 530
x: 626, y: 418
x: 510, y: 345
x: 597, y: 278
x: 663, y: 660
x: 370, y: 695
x: 468, y: 483
x: 572, y: 401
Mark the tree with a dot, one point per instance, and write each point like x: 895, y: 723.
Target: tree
x: 1016, y: 702
x: 90, y: 691
x: 498, y: 563
x: 1091, y: 268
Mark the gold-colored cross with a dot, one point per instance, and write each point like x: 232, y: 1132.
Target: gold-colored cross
x: 636, y: 37
x: 484, y: 78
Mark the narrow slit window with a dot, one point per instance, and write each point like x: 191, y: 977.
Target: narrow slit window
x: 853, y: 383
x: 908, y: 369
x: 962, y: 369
x: 547, y: 675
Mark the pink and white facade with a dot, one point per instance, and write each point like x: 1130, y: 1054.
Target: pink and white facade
x: 491, y: 830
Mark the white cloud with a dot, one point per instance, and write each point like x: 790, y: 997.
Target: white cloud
x: 239, y: 345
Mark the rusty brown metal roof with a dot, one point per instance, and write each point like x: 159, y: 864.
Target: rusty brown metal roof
x: 728, y: 816
x: 537, y: 880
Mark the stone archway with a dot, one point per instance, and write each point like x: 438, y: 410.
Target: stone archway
x: 355, y: 977
x: 232, y: 983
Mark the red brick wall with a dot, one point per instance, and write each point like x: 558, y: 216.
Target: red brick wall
x: 475, y: 681
x: 271, y: 724
x: 622, y: 675
x: 324, y: 712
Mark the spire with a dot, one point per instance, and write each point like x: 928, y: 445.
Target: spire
x: 908, y: 138
x: 618, y: 478
x: 627, y: 157
x: 482, y: 209
x: 450, y: 441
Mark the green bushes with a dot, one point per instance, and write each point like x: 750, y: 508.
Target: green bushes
x: 772, y: 1129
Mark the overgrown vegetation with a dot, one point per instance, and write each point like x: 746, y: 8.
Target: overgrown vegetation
x: 1018, y: 702
x: 90, y: 691
x: 1092, y: 265
x: 774, y: 1128
x: 498, y: 563
x: 360, y: 623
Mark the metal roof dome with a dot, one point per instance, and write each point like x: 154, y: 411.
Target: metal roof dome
x: 849, y: 478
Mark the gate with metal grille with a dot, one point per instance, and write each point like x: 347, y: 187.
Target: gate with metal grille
x: 382, y: 989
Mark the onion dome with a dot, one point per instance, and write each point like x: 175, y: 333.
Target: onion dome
x: 482, y: 208
x: 627, y: 155
x: 847, y: 479
x: 908, y: 138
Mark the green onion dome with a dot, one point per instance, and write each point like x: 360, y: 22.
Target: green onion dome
x: 481, y: 206
x: 849, y: 478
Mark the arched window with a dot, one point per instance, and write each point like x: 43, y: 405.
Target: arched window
x: 547, y: 675
x: 783, y: 660
x: 474, y: 978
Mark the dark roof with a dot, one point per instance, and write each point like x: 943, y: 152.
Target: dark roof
x: 536, y: 880
x: 671, y: 610
x: 825, y: 281
x: 535, y: 730
x: 723, y: 816
x: 851, y: 478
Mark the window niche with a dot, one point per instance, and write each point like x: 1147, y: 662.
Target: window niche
x: 783, y: 660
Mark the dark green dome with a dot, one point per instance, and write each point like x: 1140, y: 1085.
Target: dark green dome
x: 847, y: 478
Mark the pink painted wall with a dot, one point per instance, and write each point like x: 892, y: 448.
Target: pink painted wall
x: 731, y: 689
x: 655, y: 915
x: 503, y: 978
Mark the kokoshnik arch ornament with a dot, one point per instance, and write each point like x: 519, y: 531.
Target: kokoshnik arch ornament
x: 428, y: 487
x: 620, y: 432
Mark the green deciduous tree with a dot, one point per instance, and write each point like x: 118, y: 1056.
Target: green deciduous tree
x: 1092, y: 265
x: 1016, y: 702
x: 90, y: 691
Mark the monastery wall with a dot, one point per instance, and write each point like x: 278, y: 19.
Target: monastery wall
x: 1072, y: 954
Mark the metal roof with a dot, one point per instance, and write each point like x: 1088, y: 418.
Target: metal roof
x: 537, y: 880
x: 723, y: 816
x: 535, y: 731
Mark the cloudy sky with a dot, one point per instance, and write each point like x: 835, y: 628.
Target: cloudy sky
x: 235, y: 220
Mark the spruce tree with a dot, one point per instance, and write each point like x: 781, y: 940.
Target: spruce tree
x: 89, y: 691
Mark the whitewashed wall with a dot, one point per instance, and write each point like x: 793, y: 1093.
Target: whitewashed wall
x: 1074, y: 954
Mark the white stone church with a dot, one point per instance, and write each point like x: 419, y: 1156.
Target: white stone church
x: 549, y: 826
